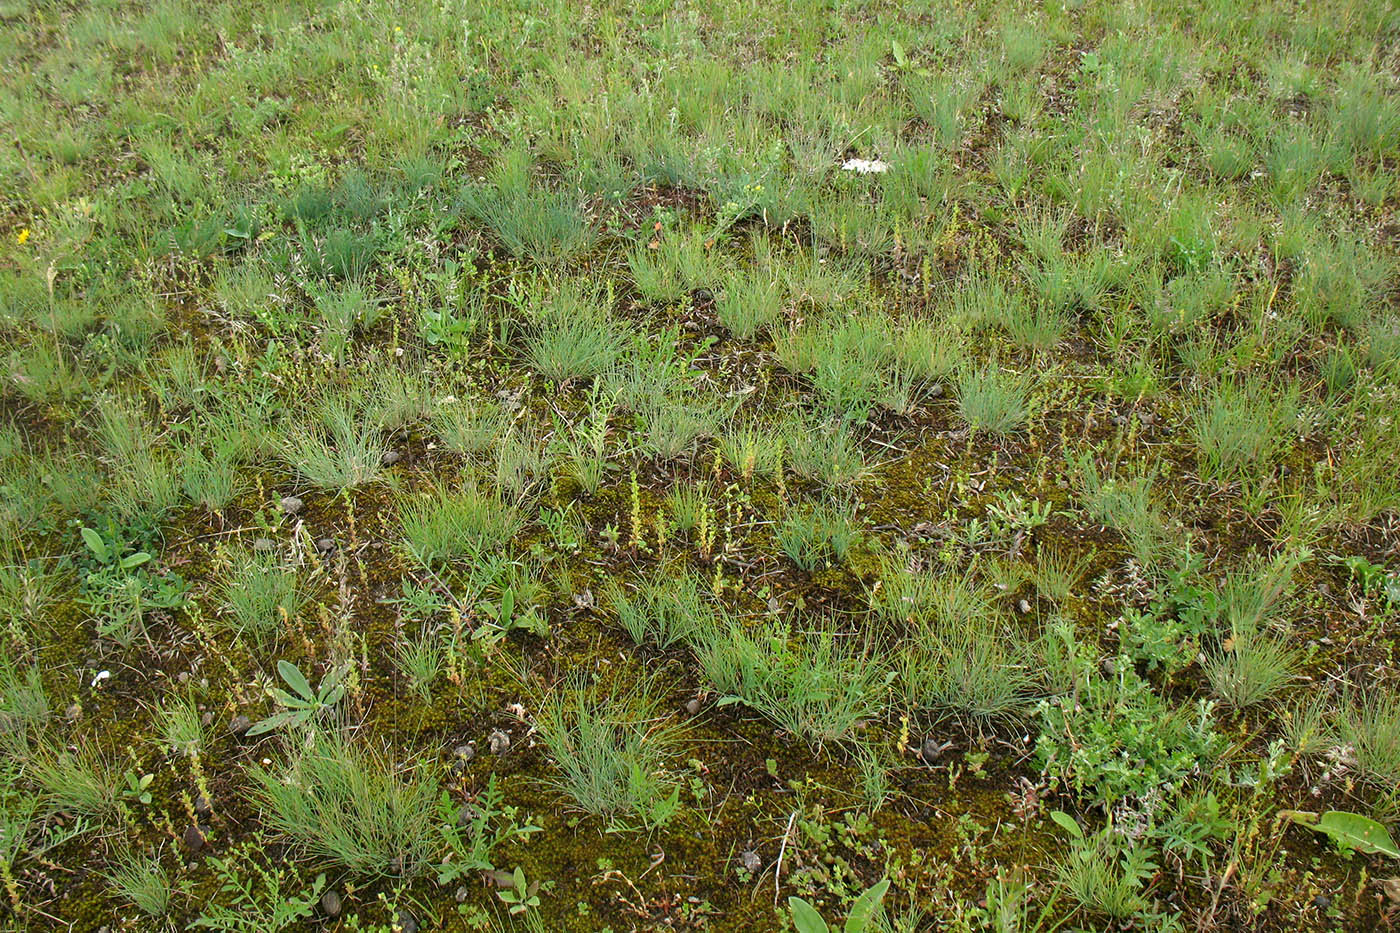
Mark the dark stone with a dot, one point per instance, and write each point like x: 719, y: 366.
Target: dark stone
x: 932, y: 750
x: 1322, y: 902
x: 390, y: 457
x: 404, y: 923
x: 292, y: 505
x: 194, y: 837
x: 330, y: 904
x: 202, y: 806
x: 240, y: 724
x: 325, y: 545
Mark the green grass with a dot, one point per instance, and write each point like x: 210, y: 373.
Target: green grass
x: 817, y: 687
x: 977, y: 409
x: 350, y: 805
x: 611, y: 752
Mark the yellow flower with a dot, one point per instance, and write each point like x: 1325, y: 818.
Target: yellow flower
x: 22, y: 237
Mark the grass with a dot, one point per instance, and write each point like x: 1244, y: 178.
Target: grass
x: 574, y: 338
x: 994, y: 400
x: 663, y: 610
x: 144, y: 882
x: 262, y: 596
x: 442, y: 526
x: 985, y: 409
x: 817, y: 687
x: 611, y: 751
x: 351, y: 806
x: 340, y: 448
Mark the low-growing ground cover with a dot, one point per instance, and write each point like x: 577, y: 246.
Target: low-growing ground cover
x: 487, y: 466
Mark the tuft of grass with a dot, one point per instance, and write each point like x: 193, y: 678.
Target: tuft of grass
x: 818, y: 686
x: 662, y: 610
x: 574, y: 338
x: 143, y: 881
x: 261, y: 595
x: 815, y: 536
x: 1370, y: 726
x: 676, y: 266
x: 529, y: 220
x: 1250, y: 667
x: 749, y: 304
x: 443, y: 526
x: 994, y: 399
x: 980, y: 670
x: 611, y: 751
x: 340, y: 448
x: 81, y: 783
x: 469, y: 428
x: 351, y: 807
x: 1242, y: 428
x: 824, y: 451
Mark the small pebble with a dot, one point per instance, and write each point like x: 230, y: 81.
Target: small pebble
x: 465, y: 752
x: 405, y: 923
x: 240, y: 724
x: 498, y: 742
x: 325, y: 545
x: 330, y: 904
x: 202, y: 806
x: 463, y: 893
x: 752, y: 863
x: 936, y: 391
x: 1322, y: 902
x: 466, y: 814
x: 1023, y: 606
x: 194, y: 837
x: 932, y: 750
x: 692, y: 707
x: 292, y: 505
x: 390, y: 458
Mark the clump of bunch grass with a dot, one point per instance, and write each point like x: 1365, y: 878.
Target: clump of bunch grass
x: 815, y: 536
x: 819, y: 686
x: 260, y: 595
x: 1242, y: 428
x: 529, y: 219
x: 994, y: 399
x: 351, y: 806
x: 749, y: 304
x: 1370, y: 726
x: 977, y: 668
x: 663, y: 609
x: 339, y: 448
x: 824, y: 451
x: 443, y: 526
x: 611, y: 751
x: 574, y: 336
x: 142, y: 880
